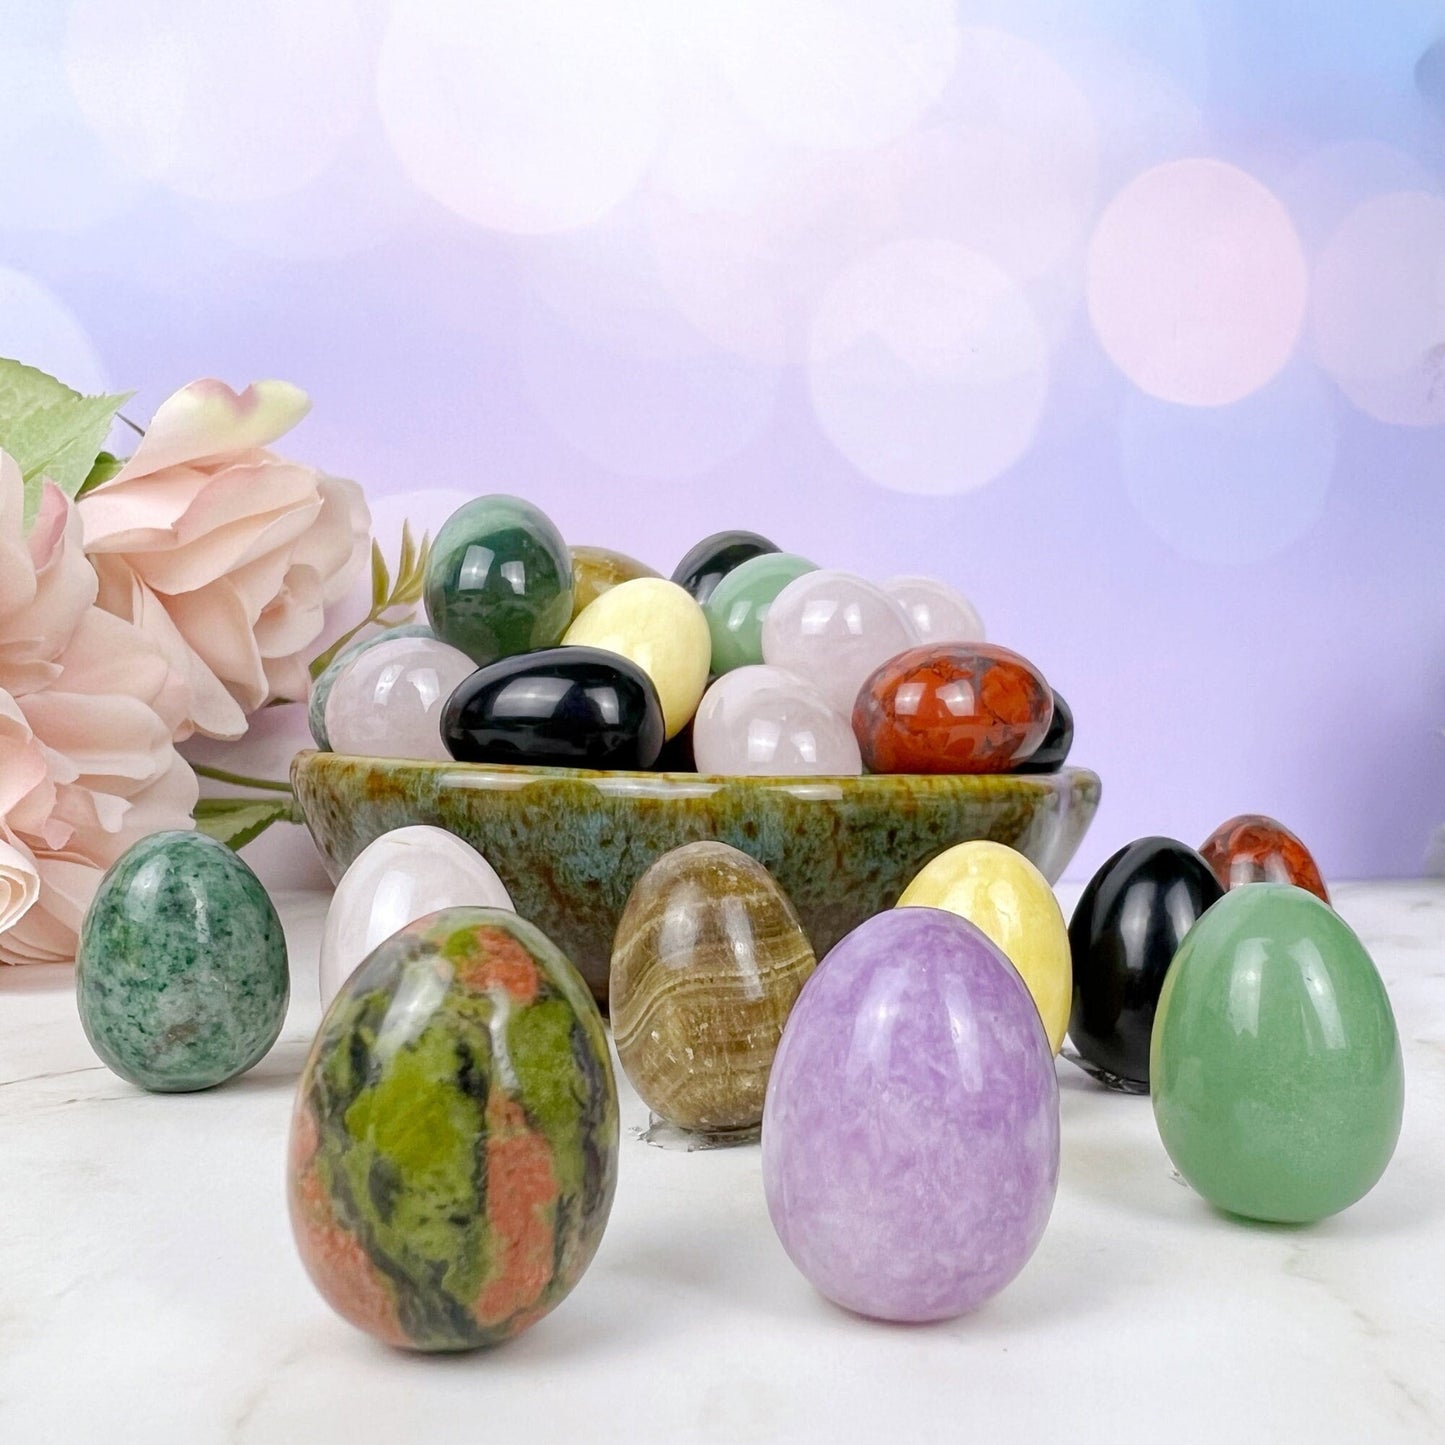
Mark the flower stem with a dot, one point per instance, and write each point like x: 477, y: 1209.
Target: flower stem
x: 376, y: 616
x: 238, y: 780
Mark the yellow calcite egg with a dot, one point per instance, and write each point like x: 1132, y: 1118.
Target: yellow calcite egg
x: 1001, y: 893
x: 657, y: 625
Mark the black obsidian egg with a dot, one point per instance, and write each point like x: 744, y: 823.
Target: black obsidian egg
x: 1050, y: 754
x: 563, y: 707
x: 714, y: 557
x: 1123, y: 936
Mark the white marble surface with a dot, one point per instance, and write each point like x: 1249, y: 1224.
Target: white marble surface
x: 149, y: 1290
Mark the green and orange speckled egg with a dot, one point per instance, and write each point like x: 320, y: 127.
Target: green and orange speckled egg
x: 454, y: 1146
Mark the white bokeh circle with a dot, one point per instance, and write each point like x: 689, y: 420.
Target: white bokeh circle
x: 657, y: 417
x: 1197, y: 282
x: 38, y: 328
x: 1232, y: 484
x: 1011, y: 169
x: 927, y: 368
x: 1378, y: 312
x: 834, y: 73
x: 527, y: 117
x: 219, y: 101
x: 360, y: 201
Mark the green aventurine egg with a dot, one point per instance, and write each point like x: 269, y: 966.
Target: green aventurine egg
x: 1274, y: 1064
x: 181, y: 974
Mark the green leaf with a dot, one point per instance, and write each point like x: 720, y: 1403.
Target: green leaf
x: 408, y: 554
x: 380, y: 578
x: 23, y: 388
x: 237, y: 821
x: 50, y: 430
x: 107, y: 464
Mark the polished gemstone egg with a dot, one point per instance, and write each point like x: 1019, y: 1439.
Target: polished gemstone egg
x: 596, y: 570
x: 1053, y: 752
x: 396, y: 879
x: 765, y: 722
x: 951, y: 708
x: 707, y: 563
x: 657, y: 626
x: 566, y: 707
x: 387, y: 701
x: 1253, y: 848
x: 911, y: 1127
x: 180, y: 975
x: 321, y: 687
x: 1126, y: 928
x: 937, y: 611
x: 453, y: 1150
x: 708, y: 961
x: 835, y: 629
x: 738, y: 606
x: 498, y: 580
x: 1275, y: 1069
x: 999, y: 891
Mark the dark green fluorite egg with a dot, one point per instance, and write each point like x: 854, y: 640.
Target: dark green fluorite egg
x: 181, y: 976
x: 454, y: 1144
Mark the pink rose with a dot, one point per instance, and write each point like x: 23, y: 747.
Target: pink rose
x: 88, y: 706
x: 223, y: 552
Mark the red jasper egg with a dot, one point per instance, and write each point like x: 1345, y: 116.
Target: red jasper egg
x: 1255, y: 849
x: 952, y: 708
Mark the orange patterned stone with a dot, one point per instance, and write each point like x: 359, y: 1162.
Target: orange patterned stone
x: 952, y: 708
x: 1254, y: 848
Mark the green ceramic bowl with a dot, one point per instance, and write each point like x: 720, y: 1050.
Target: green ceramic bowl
x: 570, y: 844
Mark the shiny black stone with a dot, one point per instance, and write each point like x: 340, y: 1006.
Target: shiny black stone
x: 714, y: 557
x: 1049, y: 756
x: 676, y: 755
x: 563, y: 707
x: 1123, y: 936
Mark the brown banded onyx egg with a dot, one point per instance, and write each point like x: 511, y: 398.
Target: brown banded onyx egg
x: 708, y: 960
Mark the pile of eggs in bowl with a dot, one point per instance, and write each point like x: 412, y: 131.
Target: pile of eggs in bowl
x: 749, y: 660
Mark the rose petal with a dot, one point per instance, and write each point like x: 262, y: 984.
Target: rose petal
x: 19, y: 882
x: 207, y: 421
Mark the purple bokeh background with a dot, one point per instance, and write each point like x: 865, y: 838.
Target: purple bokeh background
x: 786, y: 267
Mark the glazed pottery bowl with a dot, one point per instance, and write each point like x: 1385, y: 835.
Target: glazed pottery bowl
x: 570, y: 844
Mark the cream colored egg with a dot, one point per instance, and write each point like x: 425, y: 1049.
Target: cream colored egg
x: 1001, y: 893
x: 657, y: 625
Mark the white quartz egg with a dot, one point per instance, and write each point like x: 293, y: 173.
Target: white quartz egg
x: 393, y: 881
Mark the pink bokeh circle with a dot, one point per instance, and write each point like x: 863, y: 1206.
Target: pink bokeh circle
x: 1197, y: 282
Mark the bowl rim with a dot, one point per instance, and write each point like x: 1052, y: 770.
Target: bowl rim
x: 631, y: 780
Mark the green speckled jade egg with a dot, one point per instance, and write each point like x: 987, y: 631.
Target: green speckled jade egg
x: 1275, y: 1064
x: 454, y: 1144
x: 181, y: 975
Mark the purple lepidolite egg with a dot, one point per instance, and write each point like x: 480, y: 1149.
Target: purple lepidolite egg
x: 911, y: 1127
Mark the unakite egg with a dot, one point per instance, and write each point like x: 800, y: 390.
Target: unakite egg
x: 181, y: 976
x: 999, y: 891
x: 1275, y: 1064
x: 658, y: 626
x: 454, y: 1143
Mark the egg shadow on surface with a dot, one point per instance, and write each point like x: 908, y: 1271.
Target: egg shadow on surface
x: 280, y: 1069
x: 597, y: 1320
